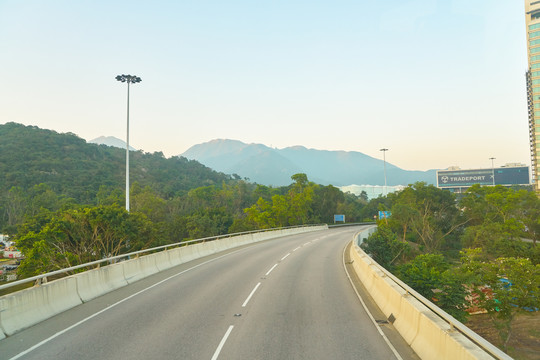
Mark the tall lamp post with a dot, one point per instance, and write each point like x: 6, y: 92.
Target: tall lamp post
x: 384, y: 157
x: 492, y: 170
x: 129, y: 79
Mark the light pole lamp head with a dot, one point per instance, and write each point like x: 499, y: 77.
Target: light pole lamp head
x: 128, y: 78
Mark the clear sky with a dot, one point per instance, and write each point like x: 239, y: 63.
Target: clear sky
x: 437, y: 82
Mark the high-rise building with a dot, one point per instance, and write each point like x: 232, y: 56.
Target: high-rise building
x: 532, y: 21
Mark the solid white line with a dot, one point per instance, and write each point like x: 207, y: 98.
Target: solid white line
x: 220, y: 346
x: 111, y: 306
x: 269, y: 271
x: 283, y: 258
x: 377, y: 326
x: 250, y: 295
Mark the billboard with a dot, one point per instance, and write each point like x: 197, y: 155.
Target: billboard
x: 457, y: 178
x: 512, y: 176
x: 466, y: 178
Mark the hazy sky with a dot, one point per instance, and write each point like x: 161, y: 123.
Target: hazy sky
x: 438, y: 82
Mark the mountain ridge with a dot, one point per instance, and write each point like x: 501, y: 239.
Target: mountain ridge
x: 271, y: 166
x: 111, y: 141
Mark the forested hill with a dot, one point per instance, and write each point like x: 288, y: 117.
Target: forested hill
x: 71, y: 167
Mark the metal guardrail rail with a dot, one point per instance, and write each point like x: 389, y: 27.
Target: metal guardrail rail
x: 485, y: 345
x: 39, y: 278
x: 351, y: 224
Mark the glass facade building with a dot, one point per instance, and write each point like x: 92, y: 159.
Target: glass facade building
x: 532, y: 21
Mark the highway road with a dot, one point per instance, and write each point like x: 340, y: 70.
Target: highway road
x: 288, y: 298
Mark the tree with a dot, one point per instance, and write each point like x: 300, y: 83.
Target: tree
x: 499, y: 218
x: 429, y: 213
x: 514, y: 285
x: 294, y: 208
x: 78, y: 236
x: 384, y: 247
x: 326, y: 202
x: 433, y: 277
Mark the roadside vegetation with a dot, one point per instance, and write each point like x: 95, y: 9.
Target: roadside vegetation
x: 475, y: 255
x: 62, y: 200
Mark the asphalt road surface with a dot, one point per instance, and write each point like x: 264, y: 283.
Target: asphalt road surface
x: 287, y: 298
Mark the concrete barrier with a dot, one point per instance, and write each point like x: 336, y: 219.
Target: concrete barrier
x: 189, y: 253
x: 207, y: 248
x: 175, y: 256
x: 30, y: 306
x: 137, y: 269
x: 25, y: 308
x: 96, y: 282
x: 163, y: 260
x: 429, y: 336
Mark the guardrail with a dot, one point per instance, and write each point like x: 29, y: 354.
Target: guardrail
x: 24, y: 308
x: 352, y: 224
x: 112, y: 259
x: 394, y: 299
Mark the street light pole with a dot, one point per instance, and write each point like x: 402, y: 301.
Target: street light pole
x: 129, y: 79
x: 492, y: 170
x: 384, y: 157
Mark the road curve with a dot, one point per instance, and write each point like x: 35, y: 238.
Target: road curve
x: 287, y: 298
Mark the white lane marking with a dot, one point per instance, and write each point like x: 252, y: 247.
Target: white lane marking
x: 283, y: 258
x: 392, y: 348
x: 112, y: 306
x: 250, y: 295
x: 220, y: 346
x: 296, y: 248
x: 269, y: 271
x: 307, y: 243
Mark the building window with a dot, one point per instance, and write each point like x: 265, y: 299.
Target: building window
x: 535, y: 58
x: 536, y: 90
x: 535, y: 66
x: 534, y: 26
x: 535, y: 50
x: 534, y: 42
x: 534, y: 34
x: 535, y: 73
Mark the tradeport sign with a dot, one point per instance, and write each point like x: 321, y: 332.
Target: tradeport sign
x: 454, y: 178
x: 466, y: 178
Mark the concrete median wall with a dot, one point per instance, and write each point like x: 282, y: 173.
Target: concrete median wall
x: 429, y: 336
x: 96, y: 282
x: 28, y: 307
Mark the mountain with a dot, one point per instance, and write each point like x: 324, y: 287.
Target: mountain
x: 269, y: 166
x: 111, y: 141
x: 76, y: 169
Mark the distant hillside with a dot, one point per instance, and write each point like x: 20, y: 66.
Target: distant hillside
x: 265, y: 165
x: 71, y: 167
x: 111, y: 141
